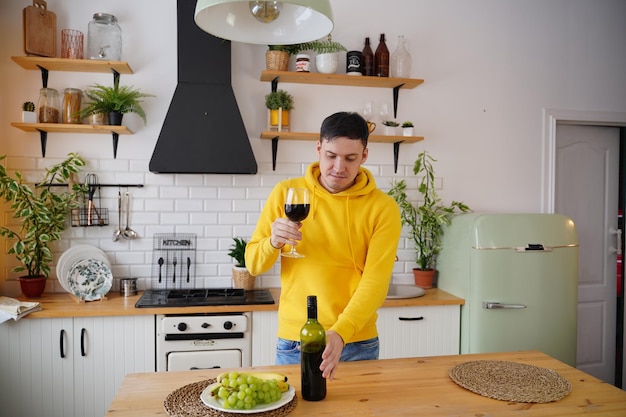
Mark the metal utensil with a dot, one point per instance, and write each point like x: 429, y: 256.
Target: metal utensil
x: 174, y: 273
x: 188, y: 267
x: 118, y: 232
x: 128, y: 233
x: 160, y: 262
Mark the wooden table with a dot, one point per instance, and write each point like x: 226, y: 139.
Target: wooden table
x: 394, y: 387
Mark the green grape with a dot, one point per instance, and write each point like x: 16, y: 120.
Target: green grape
x: 239, y: 391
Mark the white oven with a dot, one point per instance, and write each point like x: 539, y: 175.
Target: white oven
x: 201, y: 341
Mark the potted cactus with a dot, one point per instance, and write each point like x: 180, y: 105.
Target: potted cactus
x: 28, y: 112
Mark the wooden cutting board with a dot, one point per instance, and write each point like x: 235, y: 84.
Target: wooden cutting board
x: 40, y: 30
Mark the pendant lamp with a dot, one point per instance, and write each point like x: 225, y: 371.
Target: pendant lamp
x: 265, y: 22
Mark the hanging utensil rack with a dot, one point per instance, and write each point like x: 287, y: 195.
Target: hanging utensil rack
x: 174, y: 261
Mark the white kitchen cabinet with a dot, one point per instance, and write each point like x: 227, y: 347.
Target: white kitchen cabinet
x: 419, y: 331
x: 264, y: 329
x: 403, y: 332
x: 70, y: 366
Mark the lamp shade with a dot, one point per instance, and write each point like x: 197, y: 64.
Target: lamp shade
x: 299, y: 21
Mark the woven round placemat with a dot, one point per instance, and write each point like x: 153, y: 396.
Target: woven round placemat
x: 185, y: 402
x: 511, y: 381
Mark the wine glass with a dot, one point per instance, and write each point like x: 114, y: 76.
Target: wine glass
x: 368, y: 111
x: 296, y: 209
x: 384, y: 112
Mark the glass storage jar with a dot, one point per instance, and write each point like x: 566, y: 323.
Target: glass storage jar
x: 48, y: 105
x: 104, y: 38
x: 71, y: 105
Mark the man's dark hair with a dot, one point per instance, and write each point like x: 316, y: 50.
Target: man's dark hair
x: 345, y: 124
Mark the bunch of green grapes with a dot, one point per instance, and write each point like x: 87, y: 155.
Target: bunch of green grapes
x: 243, y: 392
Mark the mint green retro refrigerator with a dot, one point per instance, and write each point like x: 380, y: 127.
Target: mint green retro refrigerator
x: 518, y: 274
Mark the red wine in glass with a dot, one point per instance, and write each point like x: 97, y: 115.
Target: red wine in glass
x: 297, y: 208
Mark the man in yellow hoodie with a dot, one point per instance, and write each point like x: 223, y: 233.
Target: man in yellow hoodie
x: 349, y: 241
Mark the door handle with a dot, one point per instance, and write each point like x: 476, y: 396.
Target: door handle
x: 618, y: 240
x: 494, y: 306
x: 82, y: 342
x: 61, y: 344
x: 411, y: 318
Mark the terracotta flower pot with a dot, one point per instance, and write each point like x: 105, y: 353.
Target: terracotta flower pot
x: 424, y: 279
x: 33, y: 287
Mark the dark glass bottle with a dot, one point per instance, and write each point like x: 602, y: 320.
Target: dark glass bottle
x: 381, y: 58
x: 312, y: 344
x: 367, y: 59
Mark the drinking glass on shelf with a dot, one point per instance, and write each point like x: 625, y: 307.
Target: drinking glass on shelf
x: 297, y: 208
x: 384, y: 112
x: 368, y: 111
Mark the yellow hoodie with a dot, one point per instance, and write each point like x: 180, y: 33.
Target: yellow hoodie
x: 349, y: 242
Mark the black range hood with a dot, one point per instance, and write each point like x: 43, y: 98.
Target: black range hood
x: 203, y: 132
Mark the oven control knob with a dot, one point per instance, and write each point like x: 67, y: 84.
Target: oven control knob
x: 182, y: 327
x: 205, y: 325
x: 228, y: 325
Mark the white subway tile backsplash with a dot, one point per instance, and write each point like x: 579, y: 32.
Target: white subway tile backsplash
x: 214, y: 207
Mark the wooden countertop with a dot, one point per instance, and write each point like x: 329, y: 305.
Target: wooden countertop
x: 66, y: 305
x: 393, y: 387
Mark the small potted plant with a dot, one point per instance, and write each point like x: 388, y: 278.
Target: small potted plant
x: 41, y: 214
x: 326, y: 60
x: 241, y: 275
x: 425, y: 221
x: 407, y: 128
x: 279, y: 103
x: 390, y: 127
x: 114, y: 101
x: 28, y: 112
x: 277, y: 56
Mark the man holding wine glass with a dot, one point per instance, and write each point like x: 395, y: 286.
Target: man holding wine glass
x: 346, y: 235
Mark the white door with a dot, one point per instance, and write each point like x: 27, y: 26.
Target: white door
x: 587, y: 190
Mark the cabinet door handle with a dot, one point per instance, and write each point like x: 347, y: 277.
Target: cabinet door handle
x: 82, y: 342
x: 411, y: 318
x: 61, y: 344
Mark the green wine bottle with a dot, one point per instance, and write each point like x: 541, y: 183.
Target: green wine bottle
x: 312, y: 344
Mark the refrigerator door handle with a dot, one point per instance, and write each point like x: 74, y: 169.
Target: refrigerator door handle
x: 489, y: 305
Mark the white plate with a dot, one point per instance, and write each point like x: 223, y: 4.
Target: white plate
x: 213, y: 402
x: 73, y: 255
x: 90, y: 279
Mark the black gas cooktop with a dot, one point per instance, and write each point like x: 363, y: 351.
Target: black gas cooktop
x: 203, y: 297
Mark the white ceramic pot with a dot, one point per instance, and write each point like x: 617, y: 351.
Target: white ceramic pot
x: 327, y: 63
x: 390, y: 130
x: 407, y: 131
x: 29, y: 117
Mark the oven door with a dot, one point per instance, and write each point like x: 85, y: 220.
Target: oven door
x: 204, y: 359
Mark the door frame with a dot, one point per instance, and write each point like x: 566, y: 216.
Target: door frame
x: 577, y: 117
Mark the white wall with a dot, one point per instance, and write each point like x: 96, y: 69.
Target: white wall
x: 490, y: 68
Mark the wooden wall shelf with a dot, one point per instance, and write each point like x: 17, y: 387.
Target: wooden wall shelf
x: 45, y: 128
x: 339, y: 79
x: 396, y: 140
x: 45, y: 65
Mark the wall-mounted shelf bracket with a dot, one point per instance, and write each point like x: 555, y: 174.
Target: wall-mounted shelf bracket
x: 396, y: 153
x: 43, y: 137
x: 274, y: 152
x: 116, y: 138
x: 116, y: 76
x: 274, y: 85
x: 396, y: 93
x: 44, y: 76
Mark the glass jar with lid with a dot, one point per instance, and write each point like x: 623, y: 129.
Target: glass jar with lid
x: 104, y: 38
x: 48, y: 105
x: 72, y: 98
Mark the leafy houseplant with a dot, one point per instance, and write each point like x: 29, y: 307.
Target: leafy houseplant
x: 407, y: 124
x: 114, y: 101
x: 241, y: 276
x: 425, y: 221
x: 41, y: 214
x: 278, y: 103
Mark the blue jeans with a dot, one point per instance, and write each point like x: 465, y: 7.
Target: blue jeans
x: 288, y: 352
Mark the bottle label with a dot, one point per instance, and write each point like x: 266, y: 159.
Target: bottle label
x: 353, y: 63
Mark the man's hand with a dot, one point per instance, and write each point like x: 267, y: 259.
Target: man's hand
x: 331, y: 355
x: 285, y: 232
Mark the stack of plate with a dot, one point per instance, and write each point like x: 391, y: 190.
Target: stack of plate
x: 85, y: 271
